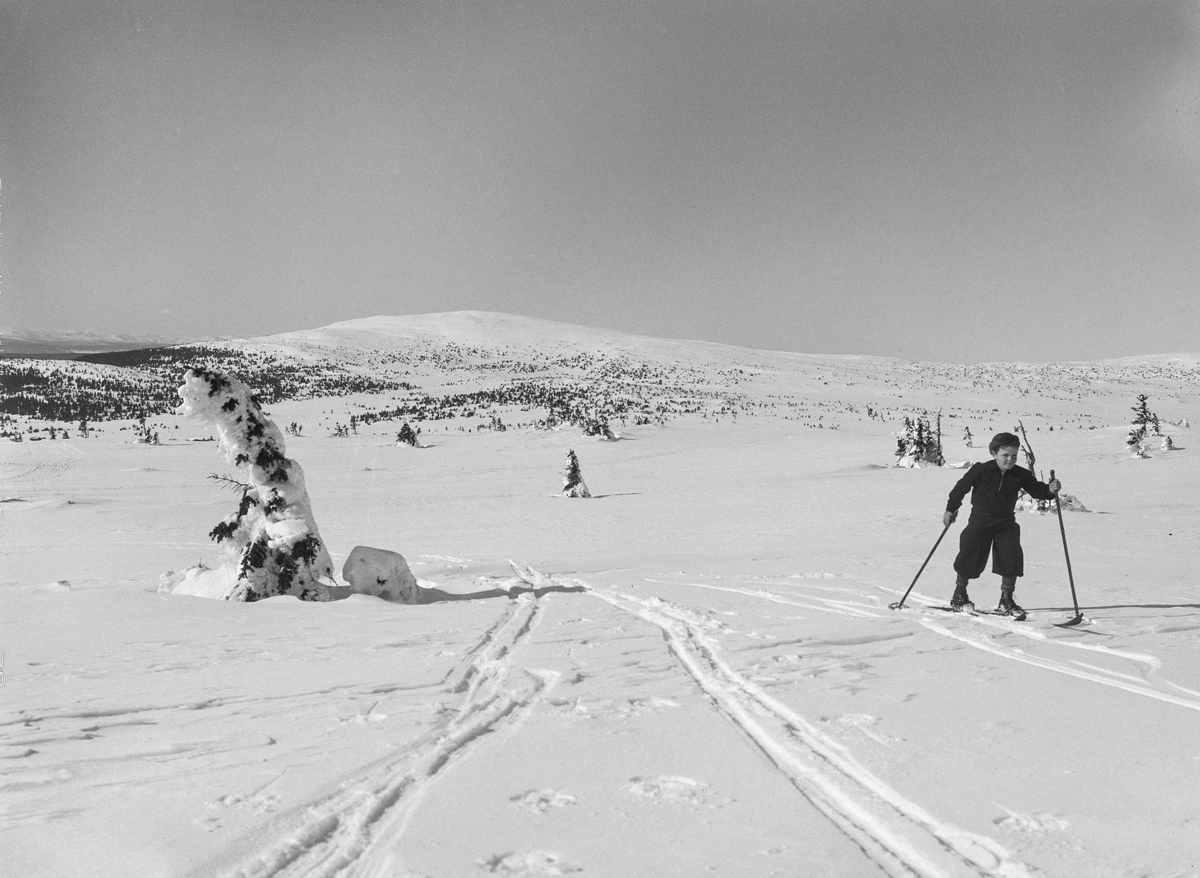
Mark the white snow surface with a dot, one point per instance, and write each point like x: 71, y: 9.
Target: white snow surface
x: 695, y: 673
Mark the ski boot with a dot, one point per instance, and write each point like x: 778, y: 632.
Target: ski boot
x: 1007, y: 606
x: 960, y: 603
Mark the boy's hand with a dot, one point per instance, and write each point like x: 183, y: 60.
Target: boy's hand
x: 1055, y: 486
x: 948, y: 518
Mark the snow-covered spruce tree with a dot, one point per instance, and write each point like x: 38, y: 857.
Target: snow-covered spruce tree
x: 273, y: 538
x: 904, y: 442
x: 917, y: 444
x: 1031, y: 465
x: 406, y: 436
x: 1145, y: 424
x: 598, y: 426
x: 573, y: 485
x: 1144, y: 418
x: 934, y: 451
x: 1135, y: 442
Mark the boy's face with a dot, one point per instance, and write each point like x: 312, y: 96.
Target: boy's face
x: 1006, y: 457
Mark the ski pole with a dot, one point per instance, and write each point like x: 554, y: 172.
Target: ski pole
x: 900, y: 603
x: 1066, y: 554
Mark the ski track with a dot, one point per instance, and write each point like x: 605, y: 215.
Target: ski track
x: 1146, y: 686
x: 1082, y: 670
x: 352, y: 831
x: 1153, y: 662
x: 825, y: 605
x: 896, y: 834
x: 1138, y: 685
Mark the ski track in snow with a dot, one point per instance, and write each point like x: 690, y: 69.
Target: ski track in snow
x: 1139, y: 685
x: 1081, y: 670
x: 824, y: 605
x: 898, y: 835
x: 352, y: 831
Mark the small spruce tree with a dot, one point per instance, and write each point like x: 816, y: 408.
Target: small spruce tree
x: 598, y: 426
x: 573, y: 485
x: 1145, y: 423
x: 919, y: 443
x: 406, y: 436
x: 1145, y: 419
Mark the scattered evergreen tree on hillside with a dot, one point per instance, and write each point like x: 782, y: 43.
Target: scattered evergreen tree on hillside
x: 598, y: 427
x: 1031, y: 465
x: 1145, y: 424
x: 573, y: 485
x: 1144, y: 418
x: 918, y: 443
x: 406, y: 436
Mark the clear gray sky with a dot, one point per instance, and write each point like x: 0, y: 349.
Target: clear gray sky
x: 958, y: 181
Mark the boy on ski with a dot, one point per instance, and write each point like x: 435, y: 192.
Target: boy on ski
x: 992, y: 527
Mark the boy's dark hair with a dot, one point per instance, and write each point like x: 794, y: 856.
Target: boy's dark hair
x: 1003, y: 440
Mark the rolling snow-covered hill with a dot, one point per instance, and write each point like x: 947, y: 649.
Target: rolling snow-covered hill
x: 440, y: 360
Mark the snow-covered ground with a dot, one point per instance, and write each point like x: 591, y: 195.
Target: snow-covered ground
x: 695, y: 671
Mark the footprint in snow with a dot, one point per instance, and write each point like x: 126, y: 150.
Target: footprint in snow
x: 541, y: 801
x: 669, y: 789
x: 528, y: 863
x: 1031, y: 824
x: 608, y: 708
x: 259, y: 803
x: 864, y: 723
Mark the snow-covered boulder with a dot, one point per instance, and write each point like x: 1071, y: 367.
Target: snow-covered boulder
x: 1070, y: 503
x: 381, y: 573
x: 910, y: 461
x: 200, y: 581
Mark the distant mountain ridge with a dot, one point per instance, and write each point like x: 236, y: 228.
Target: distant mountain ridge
x: 66, y: 346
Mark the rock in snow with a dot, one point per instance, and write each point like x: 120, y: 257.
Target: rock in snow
x: 381, y: 573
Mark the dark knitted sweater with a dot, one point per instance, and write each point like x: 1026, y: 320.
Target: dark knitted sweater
x: 994, y: 492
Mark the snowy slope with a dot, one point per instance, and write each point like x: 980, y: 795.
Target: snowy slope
x: 508, y: 344
x: 693, y: 672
